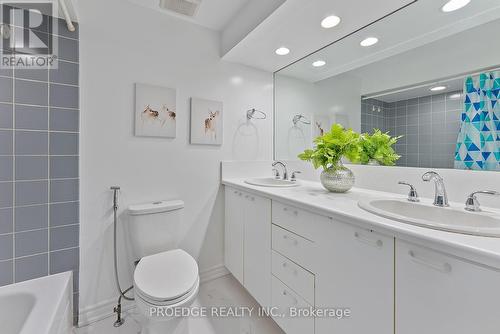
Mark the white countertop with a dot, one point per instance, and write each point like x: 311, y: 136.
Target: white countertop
x: 313, y: 197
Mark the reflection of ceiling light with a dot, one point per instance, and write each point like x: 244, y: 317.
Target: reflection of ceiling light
x: 453, y: 5
x: 437, y: 88
x: 369, y: 41
x: 282, y: 51
x: 319, y: 63
x: 330, y: 21
x: 455, y: 96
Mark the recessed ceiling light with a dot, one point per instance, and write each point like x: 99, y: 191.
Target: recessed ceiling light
x: 369, y: 41
x: 455, y: 96
x: 437, y: 88
x: 453, y: 5
x: 282, y: 51
x: 319, y: 63
x: 330, y: 21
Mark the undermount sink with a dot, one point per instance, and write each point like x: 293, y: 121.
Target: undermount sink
x: 271, y: 182
x: 441, y: 218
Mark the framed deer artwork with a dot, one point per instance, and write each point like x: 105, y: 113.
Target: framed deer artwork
x: 206, y: 122
x: 155, y: 111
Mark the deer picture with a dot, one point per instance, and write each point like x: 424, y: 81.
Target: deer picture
x: 321, y: 130
x: 211, y: 124
x: 149, y: 114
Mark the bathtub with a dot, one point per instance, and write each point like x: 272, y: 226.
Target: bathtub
x: 39, y: 306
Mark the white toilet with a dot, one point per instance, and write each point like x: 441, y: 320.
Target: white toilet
x: 166, y: 279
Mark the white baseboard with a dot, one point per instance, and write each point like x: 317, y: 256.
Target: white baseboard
x: 213, y: 273
x: 104, y: 309
x: 101, y: 311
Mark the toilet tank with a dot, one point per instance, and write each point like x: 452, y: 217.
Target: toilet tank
x: 153, y: 227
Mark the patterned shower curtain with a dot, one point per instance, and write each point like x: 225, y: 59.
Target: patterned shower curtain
x: 478, y: 143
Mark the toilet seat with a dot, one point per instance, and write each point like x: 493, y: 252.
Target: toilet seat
x: 166, y: 278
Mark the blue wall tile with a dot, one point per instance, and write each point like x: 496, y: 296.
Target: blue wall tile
x: 64, y: 119
x: 6, y: 194
x: 32, y: 143
x: 64, y: 213
x: 32, y: 74
x: 31, y: 167
x: 66, y: 73
x: 31, y: 217
x: 6, y: 113
x: 37, y: 228
x: 5, y: 89
x: 6, y: 272
x: 31, y: 117
x: 68, y: 49
x: 6, y: 141
x: 6, y: 168
x: 63, y: 190
x: 64, y: 237
x: 6, y: 242
x: 62, y: 143
x: 31, y: 267
x: 62, y: 96
x: 63, y: 167
x: 31, y: 92
x: 64, y: 260
x: 6, y: 220
x: 31, y: 242
x: 31, y: 192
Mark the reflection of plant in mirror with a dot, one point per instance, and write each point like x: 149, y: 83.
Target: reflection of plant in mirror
x: 378, y: 147
x: 332, y: 146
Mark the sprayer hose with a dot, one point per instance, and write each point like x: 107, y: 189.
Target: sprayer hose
x: 122, y: 293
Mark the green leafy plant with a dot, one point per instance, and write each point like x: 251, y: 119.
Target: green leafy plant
x: 378, y: 147
x: 332, y: 146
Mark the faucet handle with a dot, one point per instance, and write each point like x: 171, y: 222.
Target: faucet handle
x: 472, y: 203
x: 412, y: 195
x: 276, y: 173
x: 293, y: 178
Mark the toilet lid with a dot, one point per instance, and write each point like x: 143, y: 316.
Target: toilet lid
x: 166, y: 276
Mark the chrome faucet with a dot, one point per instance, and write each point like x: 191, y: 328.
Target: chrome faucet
x: 412, y: 195
x: 472, y: 204
x: 283, y: 166
x: 440, y: 196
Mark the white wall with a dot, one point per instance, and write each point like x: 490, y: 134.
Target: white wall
x: 122, y: 43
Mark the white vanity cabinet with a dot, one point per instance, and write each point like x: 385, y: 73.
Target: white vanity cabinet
x: 438, y: 293
x: 247, y: 252
x: 357, y: 273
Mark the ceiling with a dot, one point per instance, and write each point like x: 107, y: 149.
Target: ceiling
x: 419, y: 24
x: 296, y: 25
x: 452, y: 86
x: 212, y: 14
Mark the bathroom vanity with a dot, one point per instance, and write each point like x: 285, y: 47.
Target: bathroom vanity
x: 306, y: 248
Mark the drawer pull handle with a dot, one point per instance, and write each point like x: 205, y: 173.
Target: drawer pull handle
x: 294, y: 300
x: 294, y: 212
x: 376, y: 243
x: 293, y: 240
x: 442, y: 267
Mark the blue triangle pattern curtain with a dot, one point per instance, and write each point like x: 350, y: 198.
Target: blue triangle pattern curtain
x: 478, y: 143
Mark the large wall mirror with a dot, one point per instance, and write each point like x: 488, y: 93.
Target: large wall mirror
x: 430, y: 76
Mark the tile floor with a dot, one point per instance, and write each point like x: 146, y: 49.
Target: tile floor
x: 224, y: 291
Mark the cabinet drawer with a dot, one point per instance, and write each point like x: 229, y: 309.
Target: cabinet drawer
x: 293, y: 275
x: 292, y: 246
x: 299, y: 221
x: 283, y: 298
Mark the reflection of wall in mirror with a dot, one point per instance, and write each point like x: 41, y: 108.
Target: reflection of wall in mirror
x: 337, y: 99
